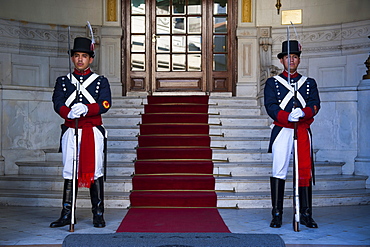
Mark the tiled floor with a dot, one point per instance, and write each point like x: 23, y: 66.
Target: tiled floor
x: 344, y: 225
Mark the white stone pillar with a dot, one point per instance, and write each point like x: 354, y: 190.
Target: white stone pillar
x: 110, y: 54
x: 362, y: 161
x: 110, y: 57
x: 2, y: 160
x: 248, y: 63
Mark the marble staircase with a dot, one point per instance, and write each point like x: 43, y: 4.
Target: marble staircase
x: 239, y: 145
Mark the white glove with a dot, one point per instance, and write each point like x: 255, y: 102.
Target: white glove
x: 72, y: 115
x: 292, y: 119
x: 80, y: 109
x: 295, y: 115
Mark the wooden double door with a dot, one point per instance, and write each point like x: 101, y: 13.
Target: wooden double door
x: 179, y: 45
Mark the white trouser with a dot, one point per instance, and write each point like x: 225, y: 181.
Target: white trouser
x: 68, y: 149
x: 281, y: 153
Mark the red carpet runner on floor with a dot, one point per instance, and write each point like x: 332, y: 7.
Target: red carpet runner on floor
x: 173, y: 186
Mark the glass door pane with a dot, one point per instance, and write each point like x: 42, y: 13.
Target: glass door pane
x: 220, y: 35
x: 137, y: 35
x: 178, y: 30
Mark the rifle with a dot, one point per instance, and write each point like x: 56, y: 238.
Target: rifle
x: 75, y: 155
x: 295, y: 144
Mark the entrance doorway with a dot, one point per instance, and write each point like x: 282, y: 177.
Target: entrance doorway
x: 179, y: 45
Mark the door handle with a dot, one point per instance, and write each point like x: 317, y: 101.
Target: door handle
x: 154, y: 37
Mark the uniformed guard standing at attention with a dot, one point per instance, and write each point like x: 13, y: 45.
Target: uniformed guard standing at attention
x: 279, y: 104
x: 93, y: 100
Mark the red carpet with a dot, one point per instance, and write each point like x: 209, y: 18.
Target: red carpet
x: 173, y: 186
x: 172, y: 220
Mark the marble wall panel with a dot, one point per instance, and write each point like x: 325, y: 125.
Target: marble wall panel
x: 329, y: 71
x: 58, y: 66
x: 335, y: 127
x: 5, y: 68
x: 30, y: 71
x: 30, y: 123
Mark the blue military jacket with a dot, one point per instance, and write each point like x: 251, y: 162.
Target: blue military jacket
x: 279, y: 101
x: 98, y: 91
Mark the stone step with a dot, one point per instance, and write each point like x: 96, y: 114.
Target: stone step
x: 128, y: 101
x: 226, y: 131
x: 216, y: 142
x: 233, y: 155
x: 219, y: 154
x: 44, y: 198
x: 122, y: 142
x: 242, y: 155
x: 237, y: 183
x: 53, y: 182
x: 213, y: 100
x: 265, y: 168
x: 237, y: 120
x: 220, y: 168
x: 262, y: 183
x: 56, y: 168
x: 241, y: 131
x: 239, y: 110
x: 319, y: 199
x: 121, y: 120
x: 227, y: 101
x: 217, y: 110
x: 124, y: 130
x: 53, y: 198
x: 240, y: 142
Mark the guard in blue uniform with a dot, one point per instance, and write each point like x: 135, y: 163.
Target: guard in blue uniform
x: 92, y: 100
x: 279, y: 103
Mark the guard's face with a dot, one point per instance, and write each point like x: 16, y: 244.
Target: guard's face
x: 294, y: 62
x: 81, y: 60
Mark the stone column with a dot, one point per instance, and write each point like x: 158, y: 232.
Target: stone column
x: 248, y: 62
x: 110, y: 44
x: 362, y: 161
x: 2, y: 160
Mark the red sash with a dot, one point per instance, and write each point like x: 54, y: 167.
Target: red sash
x: 86, y: 161
x: 304, y: 151
x: 304, y: 157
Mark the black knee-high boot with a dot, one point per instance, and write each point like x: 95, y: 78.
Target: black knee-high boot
x: 305, y: 204
x: 65, y: 216
x: 97, y: 202
x: 277, y: 198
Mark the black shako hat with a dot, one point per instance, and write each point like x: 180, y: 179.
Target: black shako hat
x: 82, y: 44
x: 295, y: 48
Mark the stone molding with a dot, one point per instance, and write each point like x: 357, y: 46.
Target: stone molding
x: 24, y: 37
x: 346, y: 37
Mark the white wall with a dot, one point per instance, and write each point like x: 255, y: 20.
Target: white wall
x: 314, y: 12
x: 62, y: 12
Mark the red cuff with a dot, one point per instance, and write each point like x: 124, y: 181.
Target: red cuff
x: 63, y: 111
x: 308, y: 112
x: 94, y: 109
x: 282, y: 117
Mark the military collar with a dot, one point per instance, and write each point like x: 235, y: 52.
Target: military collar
x: 85, y: 72
x: 292, y: 75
